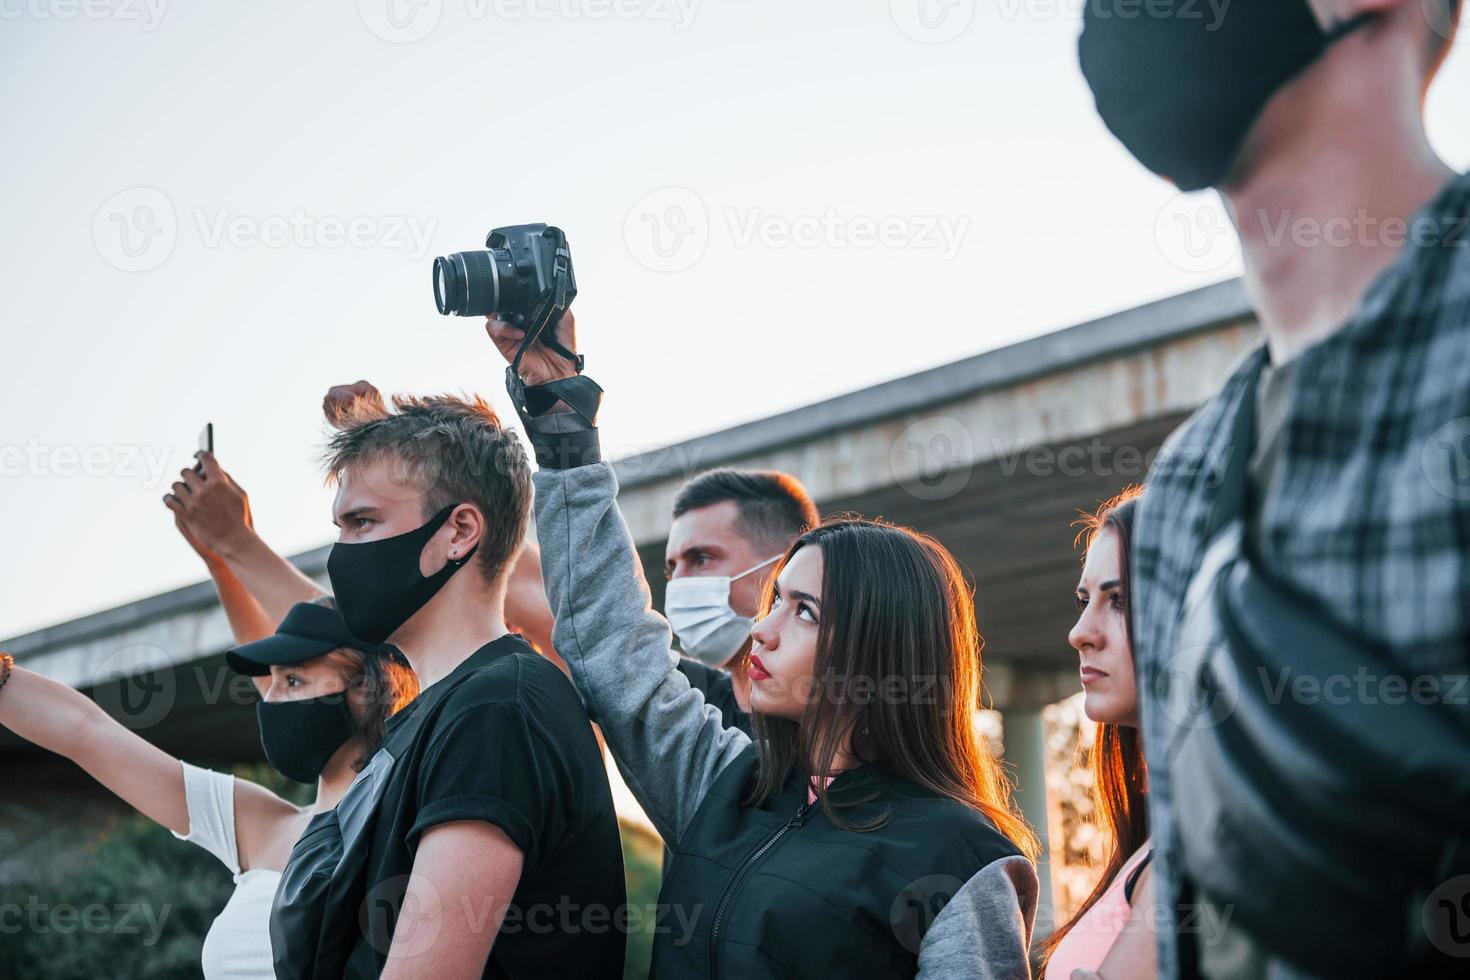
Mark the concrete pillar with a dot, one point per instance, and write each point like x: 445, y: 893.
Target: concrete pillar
x: 1025, y: 755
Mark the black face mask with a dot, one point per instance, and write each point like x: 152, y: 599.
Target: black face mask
x: 1182, y: 88
x: 378, y: 584
x: 300, y: 736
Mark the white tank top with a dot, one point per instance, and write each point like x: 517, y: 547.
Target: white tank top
x: 238, y: 945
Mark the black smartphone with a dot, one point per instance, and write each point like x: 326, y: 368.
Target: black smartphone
x: 206, y: 443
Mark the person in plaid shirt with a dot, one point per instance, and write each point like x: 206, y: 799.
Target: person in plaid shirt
x: 1307, y: 116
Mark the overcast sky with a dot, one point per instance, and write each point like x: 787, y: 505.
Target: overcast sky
x: 215, y: 211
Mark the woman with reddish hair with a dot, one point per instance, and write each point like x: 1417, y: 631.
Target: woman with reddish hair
x: 1104, y: 936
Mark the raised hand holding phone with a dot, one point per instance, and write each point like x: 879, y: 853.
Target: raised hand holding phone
x: 210, y: 509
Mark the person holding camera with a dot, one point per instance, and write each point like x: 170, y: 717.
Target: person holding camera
x: 864, y: 831
x: 326, y: 698
x: 1308, y: 526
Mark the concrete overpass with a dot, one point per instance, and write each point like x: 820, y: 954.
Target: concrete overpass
x: 993, y: 454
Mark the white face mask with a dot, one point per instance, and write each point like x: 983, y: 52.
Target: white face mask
x: 698, y: 608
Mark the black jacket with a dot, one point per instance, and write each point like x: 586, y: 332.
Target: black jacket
x: 796, y: 896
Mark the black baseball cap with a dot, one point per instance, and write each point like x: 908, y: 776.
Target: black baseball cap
x: 309, y: 630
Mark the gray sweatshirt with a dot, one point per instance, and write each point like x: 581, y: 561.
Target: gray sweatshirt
x: 670, y: 744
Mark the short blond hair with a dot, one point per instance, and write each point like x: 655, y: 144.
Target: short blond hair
x: 454, y: 450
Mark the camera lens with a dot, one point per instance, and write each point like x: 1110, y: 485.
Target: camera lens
x: 466, y: 283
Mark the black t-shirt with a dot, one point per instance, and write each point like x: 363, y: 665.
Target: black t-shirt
x: 719, y: 690
x: 504, y: 738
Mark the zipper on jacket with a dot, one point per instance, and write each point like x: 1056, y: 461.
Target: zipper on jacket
x: 714, y: 934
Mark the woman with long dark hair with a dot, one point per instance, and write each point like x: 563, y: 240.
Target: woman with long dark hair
x: 1101, y: 935
x: 864, y: 831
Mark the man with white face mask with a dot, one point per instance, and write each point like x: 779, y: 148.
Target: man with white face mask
x: 730, y: 529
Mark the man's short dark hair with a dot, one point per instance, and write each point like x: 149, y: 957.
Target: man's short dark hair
x: 774, y: 507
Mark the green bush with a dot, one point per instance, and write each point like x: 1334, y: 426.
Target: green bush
x: 142, y: 905
x: 643, y: 856
x: 139, y: 909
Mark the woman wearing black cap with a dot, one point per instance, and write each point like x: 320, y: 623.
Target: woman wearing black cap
x: 325, y: 697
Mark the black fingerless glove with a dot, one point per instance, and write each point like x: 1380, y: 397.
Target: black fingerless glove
x: 562, y: 440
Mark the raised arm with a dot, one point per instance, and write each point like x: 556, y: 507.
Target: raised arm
x: 65, y: 721
x: 669, y: 743
x: 248, y: 621
x: 216, y: 512
x: 60, y: 719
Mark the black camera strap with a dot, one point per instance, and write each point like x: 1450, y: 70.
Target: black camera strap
x: 580, y: 393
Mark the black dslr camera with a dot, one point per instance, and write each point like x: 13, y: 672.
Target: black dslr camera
x: 524, y: 276
x: 521, y: 268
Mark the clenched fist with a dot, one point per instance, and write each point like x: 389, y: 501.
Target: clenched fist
x: 346, y: 401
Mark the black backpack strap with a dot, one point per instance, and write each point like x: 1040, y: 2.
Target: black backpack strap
x: 1233, y: 495
x: 1131, y: 881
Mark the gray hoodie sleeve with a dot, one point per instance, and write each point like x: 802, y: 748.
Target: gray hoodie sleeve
x: 985, y: 930
x: 669, y: 743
